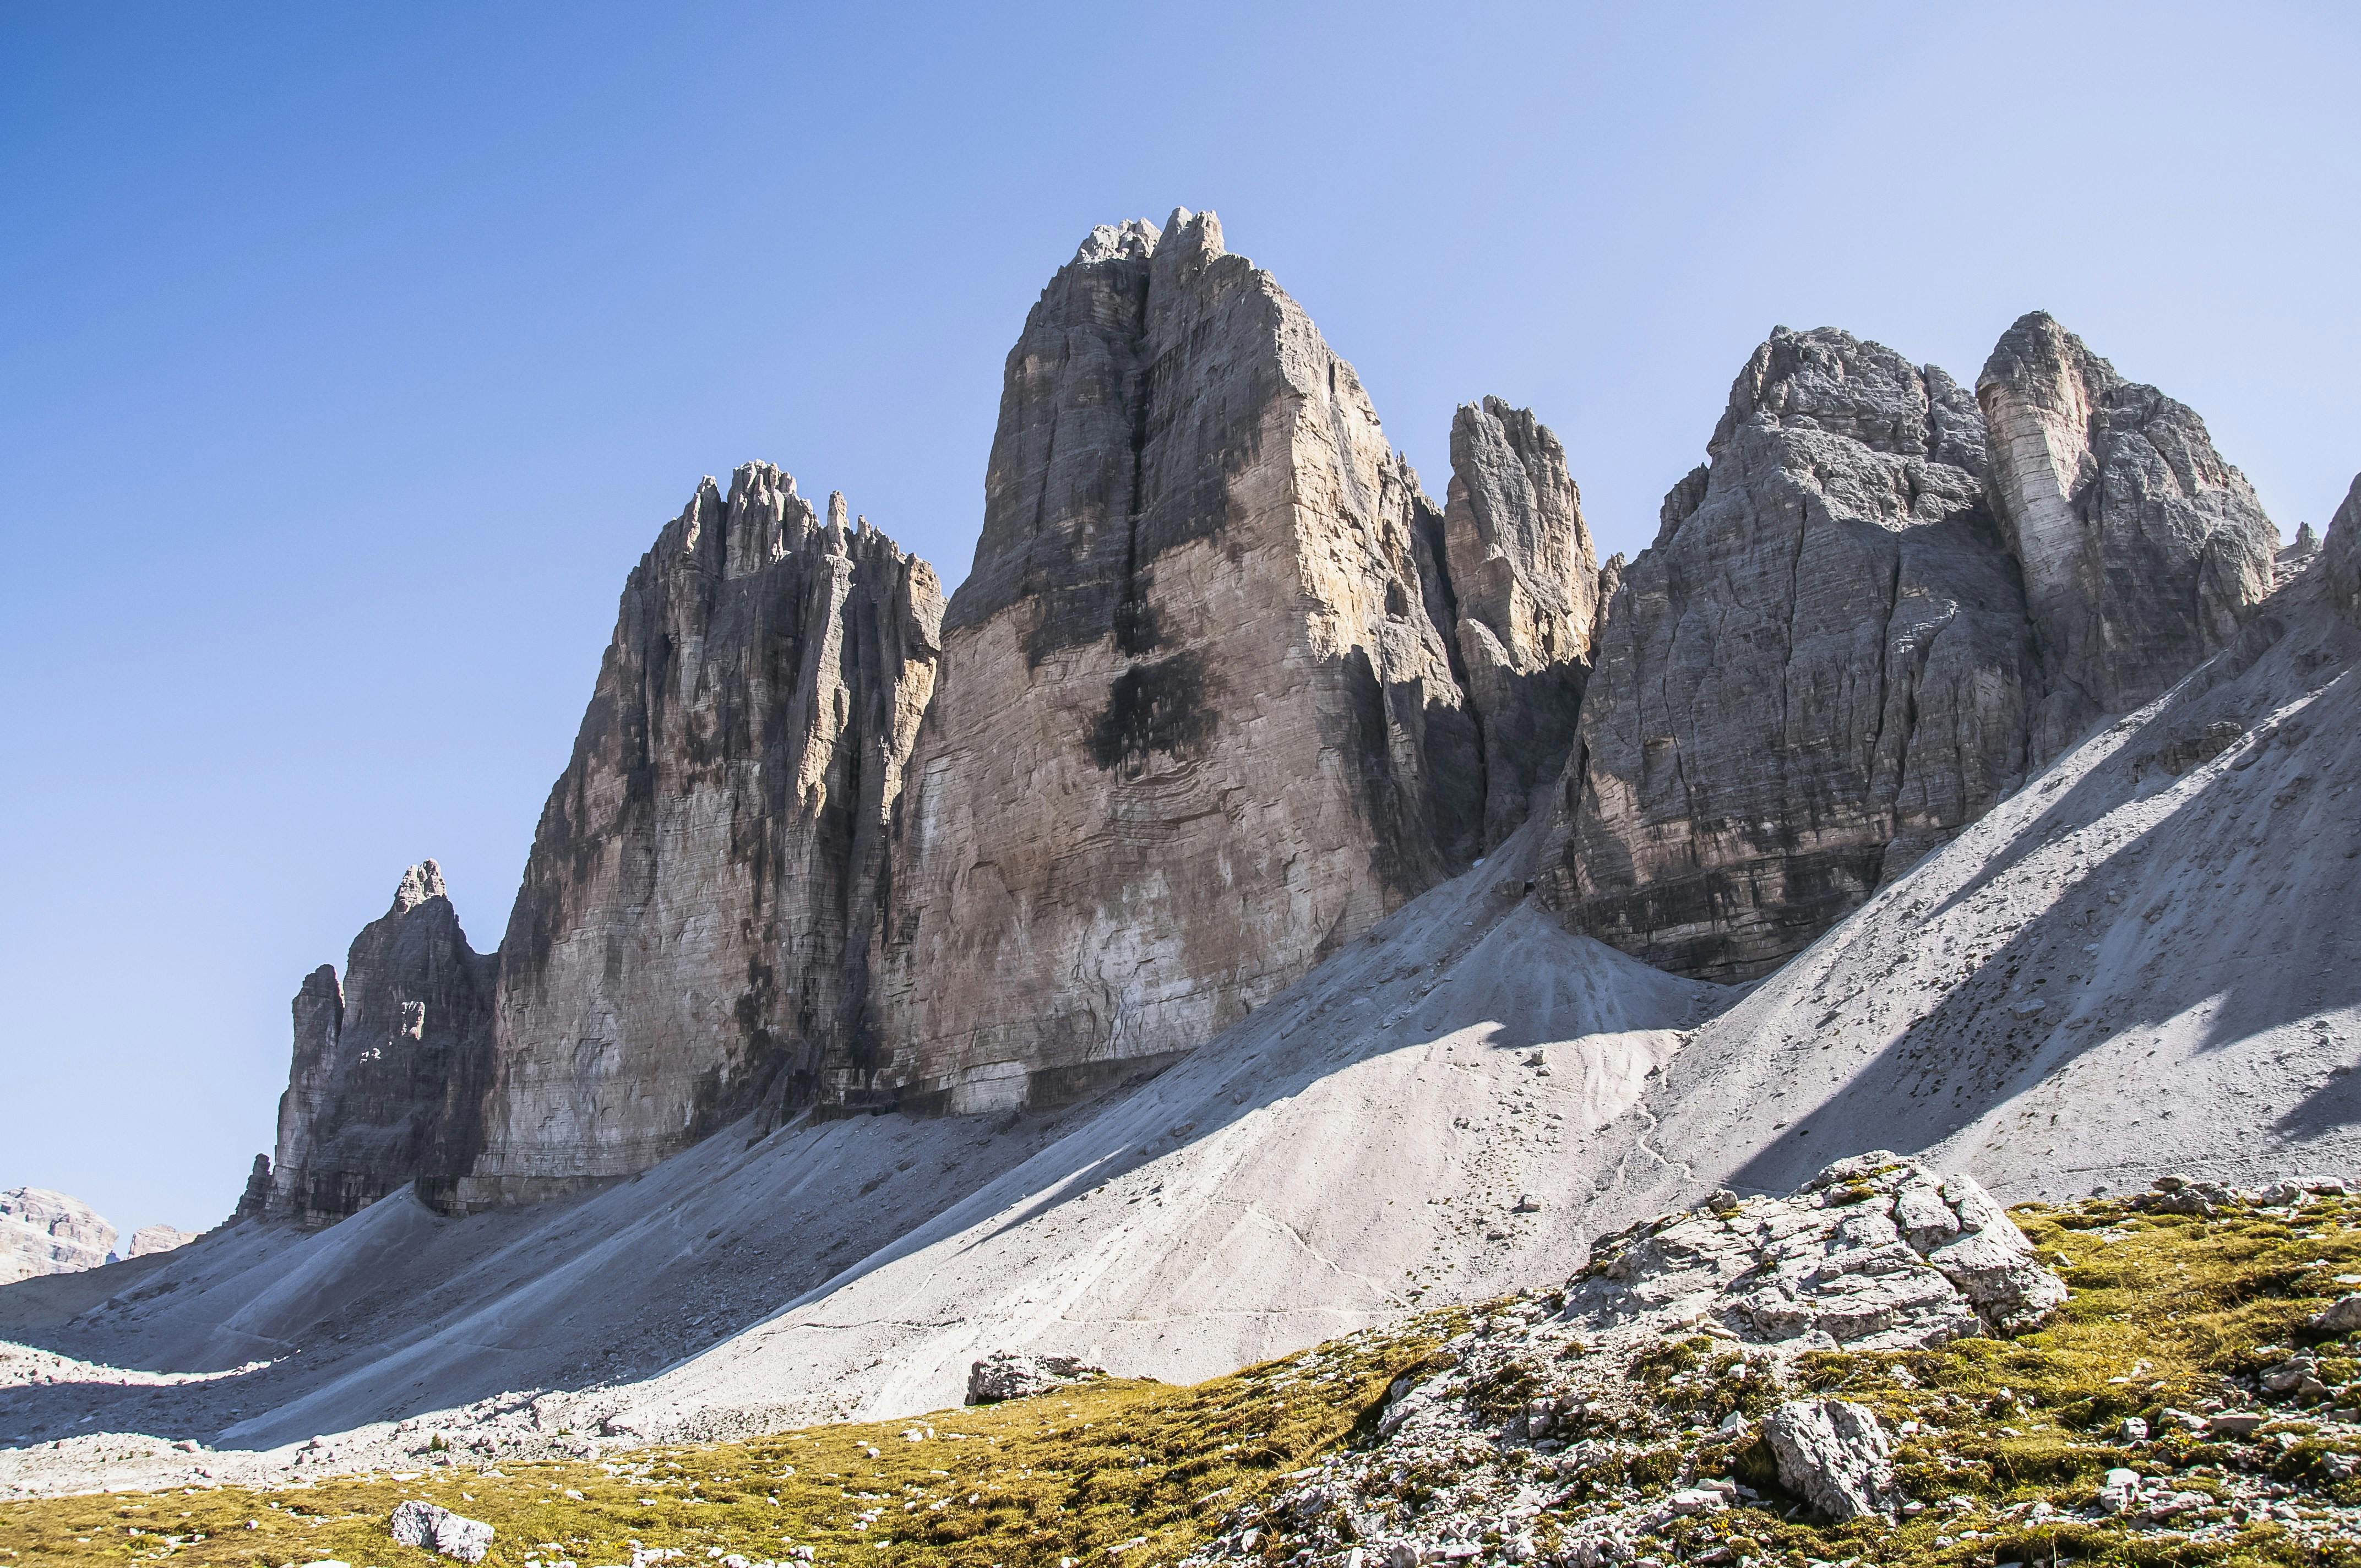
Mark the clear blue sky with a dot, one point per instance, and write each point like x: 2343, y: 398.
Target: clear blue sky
x: 354, y: 354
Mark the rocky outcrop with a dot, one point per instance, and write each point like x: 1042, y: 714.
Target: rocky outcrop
x: 149, y: 1239
x: 1525, y: 584
x: 2292, y: 559
x: 1836, y: 1455
x: 1819, y: 672
x: 43, y: 1232
x: 2341, y: 555
x: 1197, y: 724
x: 2142, y: 551
x: 1006, y: 1375
x: 46, y: 1231
x: 387, y: 1063
x: 693, y: 929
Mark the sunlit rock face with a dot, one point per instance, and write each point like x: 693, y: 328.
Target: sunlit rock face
x: 1197, y: 723
x: 1819, y: 670
x: 1525, y: 583
x: 2142, y: 549
x: 693, y: 931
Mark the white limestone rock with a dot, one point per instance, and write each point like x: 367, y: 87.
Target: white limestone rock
x: 43, y: 1232
x: 1835, y: 1454
x: 423, y: 1524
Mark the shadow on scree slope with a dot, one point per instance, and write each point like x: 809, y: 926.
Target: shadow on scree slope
x: 399, y: 1311
x: 2240, y: 897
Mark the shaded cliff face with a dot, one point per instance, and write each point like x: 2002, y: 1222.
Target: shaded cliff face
x: 385, y: 1063
x: 1197, y: 723
x: 2341, y: 555
x: 2142, y: 549
x: 1526, y: 582
x: 1819, y: 672
x: 694, y: 925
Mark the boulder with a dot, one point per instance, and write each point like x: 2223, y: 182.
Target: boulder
x: 378, y: 1057
x: 423, y: 1524
x: 1836, y: 1455
x: 1874, y: 1252
x: 1006, y: 1375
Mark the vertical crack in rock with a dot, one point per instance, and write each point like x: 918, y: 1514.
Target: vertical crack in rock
x: 697, y: 918
x: 1525, y: 584
x: 1197, y: 712
x: 380, y: 1059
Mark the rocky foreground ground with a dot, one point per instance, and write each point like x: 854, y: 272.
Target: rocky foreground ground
x: 1881, y: 1367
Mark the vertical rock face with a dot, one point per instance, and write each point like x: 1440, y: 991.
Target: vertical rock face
x: 695, y: 924
x: 43, y: 1232
x: 385, y: 1063
x: 1819, y: 672
x: 2341, y: 555
x: 1526, y: 582
x: 1197, y: 724
x: 2142, y: 549
x: 2292, y: 560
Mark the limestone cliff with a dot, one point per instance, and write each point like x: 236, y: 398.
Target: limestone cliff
x: 694, y: 927
x: 1525, y: 581
x: 385, y: 1062
x: 2341, y: 555
x: 2142, y: 551
x: 43, y: 1232
x: 1197, y: 724
x: 1817, y: 672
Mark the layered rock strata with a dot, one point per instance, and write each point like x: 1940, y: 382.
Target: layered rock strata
x: 693, y: 929
x: 387, y: 1062
x: 2142, y: 551
x: 43, y: 1232
x: 1817, y: 671
x: 1197, y: 723
x: 1525, y: 584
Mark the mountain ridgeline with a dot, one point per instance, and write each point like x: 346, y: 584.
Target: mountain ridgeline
x: 1224, y: 689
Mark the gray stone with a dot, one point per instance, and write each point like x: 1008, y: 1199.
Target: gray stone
x: 1525, y: 584
x: 423, y: 1524
x: 379, y: 1057
x: 1816, y: 673
x: 150, y: 1239
x: 2142, y: 549
x: 1006, y: 1375
x: 1197, y: 724
x: 2341, y: 555
x: 694, y: 934
x: 1836, y: 1455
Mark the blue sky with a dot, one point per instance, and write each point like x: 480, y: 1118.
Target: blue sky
x: 354, y: 354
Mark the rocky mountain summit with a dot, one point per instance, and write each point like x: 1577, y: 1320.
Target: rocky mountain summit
x: 1224, y: 689
x: 1880, y: 605
x: 43, y: 1232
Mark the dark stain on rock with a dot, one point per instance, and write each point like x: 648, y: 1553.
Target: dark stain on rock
x: 1153, y: 707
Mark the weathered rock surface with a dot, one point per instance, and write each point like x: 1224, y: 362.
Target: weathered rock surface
x: 43, y: 1232
x: 2293, y: 558
x: 438, y: 1530
x: 1875, y: 1253
x: 386, y: 1065
x: 1816, y: 673
x: 1197, y: 724
x: 1835, y: 1454
x: 1005, y: 1375
x: 2142, y: 551
x: 2340, y: 554
x: 1526, y: 586
x: 149, y: 1239
x: 1687, y: 1324
x: 697, y: 913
